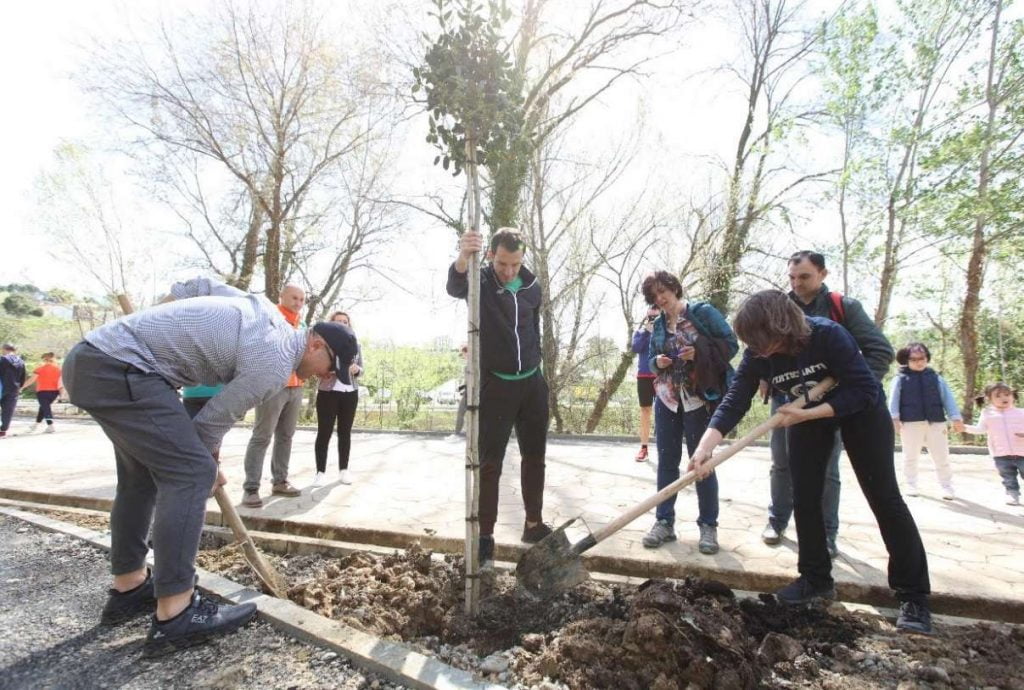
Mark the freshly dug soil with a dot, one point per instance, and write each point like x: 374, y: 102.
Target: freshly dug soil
x: 662, y: 634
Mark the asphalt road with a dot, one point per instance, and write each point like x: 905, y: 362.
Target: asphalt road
x: 52, y: 588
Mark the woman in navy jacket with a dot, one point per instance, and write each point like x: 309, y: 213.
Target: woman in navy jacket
x: 793, y: 352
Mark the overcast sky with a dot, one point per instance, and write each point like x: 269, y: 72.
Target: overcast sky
x: 689, y: 115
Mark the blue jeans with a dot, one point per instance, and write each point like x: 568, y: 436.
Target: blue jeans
x: 670, y: 429
x: 781, y: 507
x: 1009, y: 466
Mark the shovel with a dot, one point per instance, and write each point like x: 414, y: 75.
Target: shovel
x: 272, y: 579
x: 553, y: 565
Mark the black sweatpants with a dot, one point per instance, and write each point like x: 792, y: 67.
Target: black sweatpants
x: 868, y: 439
x: 45, y: 400
x: 331, y: 406
x: 7, y: 404
x: 523, y: 405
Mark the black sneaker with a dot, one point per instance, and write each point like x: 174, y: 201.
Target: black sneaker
x: 801, y: 591
x: 202, y: 620
x: 532, y: 535
x: 486, y: 552
x: 123, y: 606
x: 914, y: 617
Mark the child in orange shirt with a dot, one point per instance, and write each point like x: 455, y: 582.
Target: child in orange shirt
x: 46, y: 378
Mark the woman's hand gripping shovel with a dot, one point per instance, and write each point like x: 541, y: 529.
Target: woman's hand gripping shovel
x: 553, y: 565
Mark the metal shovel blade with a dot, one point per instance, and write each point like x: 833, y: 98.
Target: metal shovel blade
x: 551, y: 566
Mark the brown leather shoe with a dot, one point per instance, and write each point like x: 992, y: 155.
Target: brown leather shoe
x: 251, y: 499
x: 286, y: 489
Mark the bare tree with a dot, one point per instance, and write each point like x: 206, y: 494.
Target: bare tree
x: 79, y: 209
x: 266, y: 96
x: 556, y: 48
x: 777, y: 44
x: 226, y: 228
x: 361, y: 219
x: 563, y: 225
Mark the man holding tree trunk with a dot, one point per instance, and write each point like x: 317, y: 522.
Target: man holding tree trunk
x: 513, y: 392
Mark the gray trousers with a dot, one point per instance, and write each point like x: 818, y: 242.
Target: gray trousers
x: 164, y: 472
x: 276, y: 418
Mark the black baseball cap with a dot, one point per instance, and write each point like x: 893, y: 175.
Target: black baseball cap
x: 342, y: 342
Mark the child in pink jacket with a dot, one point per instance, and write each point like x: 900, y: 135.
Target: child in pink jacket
x: 1004, y: 424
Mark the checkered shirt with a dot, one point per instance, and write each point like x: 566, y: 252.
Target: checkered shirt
x: 212, y: 333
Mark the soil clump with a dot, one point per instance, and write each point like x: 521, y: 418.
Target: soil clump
x: 662, y: 634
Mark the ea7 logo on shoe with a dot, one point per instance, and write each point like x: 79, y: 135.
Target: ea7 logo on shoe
x: 201, y: 620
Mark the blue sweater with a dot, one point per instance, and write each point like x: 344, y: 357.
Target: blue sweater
x: 641, y: 341
x: 831, y: 351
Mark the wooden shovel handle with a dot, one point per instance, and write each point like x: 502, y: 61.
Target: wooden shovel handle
x: 816, y: 393
x: 266, y: 572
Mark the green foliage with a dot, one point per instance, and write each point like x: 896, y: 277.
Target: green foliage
x: 61, y: 296
x: 20, y: 287
x: 34, y: 335
x: 18, y: 304
x: 401, y: 377
x: 472, y: 95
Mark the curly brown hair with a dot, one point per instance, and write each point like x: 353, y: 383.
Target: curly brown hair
x: 663, y: 278
x: 770, y: 321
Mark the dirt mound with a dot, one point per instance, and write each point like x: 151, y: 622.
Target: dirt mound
x: 664, y: 635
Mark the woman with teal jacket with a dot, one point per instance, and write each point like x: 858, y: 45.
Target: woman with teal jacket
x: 691, y: 345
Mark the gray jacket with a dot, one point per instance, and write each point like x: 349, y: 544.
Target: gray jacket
x: 872, y: 342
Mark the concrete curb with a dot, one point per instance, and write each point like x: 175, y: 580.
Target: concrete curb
x: 307, y: 537
x: 392, y: 660
x: 563, y: 438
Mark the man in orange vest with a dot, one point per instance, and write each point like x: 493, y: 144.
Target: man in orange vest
x: 276, y: 418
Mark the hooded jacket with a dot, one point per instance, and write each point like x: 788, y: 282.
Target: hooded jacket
x: 12, y: 373
x: 509, y: 321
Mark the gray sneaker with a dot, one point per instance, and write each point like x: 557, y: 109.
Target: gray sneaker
x: 830, y: 545
x: 772, y: 536
x: 661, y: 533
x: 708, y: 543
x: 251, y: 499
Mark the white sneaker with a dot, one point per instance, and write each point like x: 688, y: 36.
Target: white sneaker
x: 1012, y: 499
x: 320, y: 479
x: 32, y: 429
x: 345, y: 477
x: 49, y: 429
x: 948, y: 494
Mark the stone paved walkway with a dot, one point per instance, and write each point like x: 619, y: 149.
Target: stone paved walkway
x: 414, y: 484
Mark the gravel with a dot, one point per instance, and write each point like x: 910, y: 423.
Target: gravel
x: 52, y: 588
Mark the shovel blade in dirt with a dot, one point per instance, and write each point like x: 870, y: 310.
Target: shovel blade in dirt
x: 552, y: 565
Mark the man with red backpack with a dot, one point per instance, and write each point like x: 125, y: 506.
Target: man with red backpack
x: 807, y: 275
